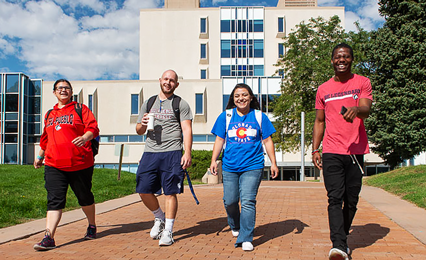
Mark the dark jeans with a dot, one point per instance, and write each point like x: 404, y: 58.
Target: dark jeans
x: 343, y: 180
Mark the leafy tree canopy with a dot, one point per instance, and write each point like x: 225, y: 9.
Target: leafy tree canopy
x: 306, y: 64
x: 397, y: 124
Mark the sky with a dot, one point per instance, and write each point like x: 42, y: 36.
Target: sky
x: 99, y: 39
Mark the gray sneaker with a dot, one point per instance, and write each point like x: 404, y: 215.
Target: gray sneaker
x: 166, y: 238
x: 157, y: 228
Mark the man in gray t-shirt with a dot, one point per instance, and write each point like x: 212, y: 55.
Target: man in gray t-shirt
x: 162, y: 164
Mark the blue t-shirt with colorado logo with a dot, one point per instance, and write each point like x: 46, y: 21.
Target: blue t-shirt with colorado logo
x: 243, y: 150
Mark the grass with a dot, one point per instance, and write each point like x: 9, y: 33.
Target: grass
x: 23, y: 196
x: 409, y: 183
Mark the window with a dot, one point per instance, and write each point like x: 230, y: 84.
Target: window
x: 258, y: 48
x: 280, y: 50
x: 258, y: 70
x: 281, y: 24
x: 199, y: 106
x: 12, y: 83
x: 75, y: 98
x: 225, y: 48
x: 225, y: 70
x: 203, y: 74
x: 225, y: 26
x: 135, y: 104
x: 258, y: 26
x: 203, y: 25
x: 90, y: 105
x: 203, y: 51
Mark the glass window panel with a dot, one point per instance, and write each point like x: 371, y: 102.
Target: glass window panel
x: 280, y: 50
x: 34, y: 105
x: 203, y: 51
x: 90, y: 105
x: 37, y: 128
x: 203, y: 74
x: 11, y: 127
x: 11, y: 116
x: 133, y: 168
x: 34, y: 118
x: 258, y: 70
x: 109, y: 166
x: 10, y: 153
x: 12, y: 103
x: 225, y: 49
x: 35, y: 87
x: 203, y: 25
x: 121, y: 138
x: 106, y: 139
x: 225, y: 70
x: 225, y: 101
x: 199, y: 138
x: 280, y: 24
x: 75, y: 98
x: 135, y: 138
x: 12, y: 83
x: 199, y: 104
x: 211, y: 138
x: 258, y: 25
x: 11, y: 138
x: 225, y: 26
x: 135, y: 104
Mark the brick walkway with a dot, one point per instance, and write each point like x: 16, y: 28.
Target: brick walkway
x: 291, y: 224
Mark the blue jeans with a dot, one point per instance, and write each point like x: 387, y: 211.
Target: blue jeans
x: 244, y: 186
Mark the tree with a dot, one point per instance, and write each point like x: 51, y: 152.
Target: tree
x: 397, y: 124
x: 306, y: 64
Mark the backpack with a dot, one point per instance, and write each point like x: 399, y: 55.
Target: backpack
x: 257, y: 114
x: 175, y: 105
x: 79, y: 110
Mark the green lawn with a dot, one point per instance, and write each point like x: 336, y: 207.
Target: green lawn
x: 23, y: 196
x: 409, y: 183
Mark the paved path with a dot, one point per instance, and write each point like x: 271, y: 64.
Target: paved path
x: 291, y: 224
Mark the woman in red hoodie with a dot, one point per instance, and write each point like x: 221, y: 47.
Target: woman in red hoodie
x: 68, y: 158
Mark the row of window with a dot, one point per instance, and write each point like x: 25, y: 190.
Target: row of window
x: 241, y: 25
x: 241, y: 48
x: 265, y: 102
x: 241, y: 70
x: 142, y: 138
x: 199, y: 104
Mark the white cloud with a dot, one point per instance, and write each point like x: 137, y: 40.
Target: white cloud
x: 54, y: 43
x: 366, y: 13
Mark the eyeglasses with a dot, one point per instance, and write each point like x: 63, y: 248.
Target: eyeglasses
x: 63, y: 88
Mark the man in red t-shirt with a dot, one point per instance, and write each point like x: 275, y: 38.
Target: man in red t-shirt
x: 342, y: 103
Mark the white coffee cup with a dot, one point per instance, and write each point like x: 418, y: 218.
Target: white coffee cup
x: 150, y: 126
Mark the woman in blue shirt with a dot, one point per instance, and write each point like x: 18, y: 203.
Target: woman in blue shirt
x: 243, y: 159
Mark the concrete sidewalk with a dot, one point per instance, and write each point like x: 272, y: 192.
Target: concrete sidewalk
x: 291, y: 224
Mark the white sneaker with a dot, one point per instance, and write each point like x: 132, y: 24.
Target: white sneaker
x: 235, y: 233
x: 157, y: 228
x: 348, y: 251
x: 166, y: 238
x: 337, y: 254
x: 247, y: 246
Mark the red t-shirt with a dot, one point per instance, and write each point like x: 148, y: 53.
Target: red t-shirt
x: 61, y: 127
x: 342, y: 137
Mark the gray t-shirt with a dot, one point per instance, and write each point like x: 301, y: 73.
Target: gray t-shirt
x: 167, y: 134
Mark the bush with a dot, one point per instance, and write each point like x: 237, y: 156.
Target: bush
x: 200, y: 162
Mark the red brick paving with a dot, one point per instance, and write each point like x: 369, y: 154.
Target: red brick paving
x: 291, y: 224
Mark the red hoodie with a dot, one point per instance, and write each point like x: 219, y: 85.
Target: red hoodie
x: 62, y: 126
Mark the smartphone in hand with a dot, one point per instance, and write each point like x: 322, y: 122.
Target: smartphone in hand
x: 343, y: 110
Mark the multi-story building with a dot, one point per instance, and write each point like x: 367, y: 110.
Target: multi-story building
x: 211, y: 49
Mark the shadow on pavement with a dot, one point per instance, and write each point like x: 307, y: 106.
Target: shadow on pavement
x: 366, y: 235
x: 271, y: 231
x: 116, y: 229
x: 210, y: 226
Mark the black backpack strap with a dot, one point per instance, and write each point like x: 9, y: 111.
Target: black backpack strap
x: 47, y: 115
x: 79, y: 110
x: 175, y: 106
x: 150, y: 103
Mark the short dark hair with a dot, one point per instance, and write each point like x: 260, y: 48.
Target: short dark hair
x: 61, y: 80
x: 343, y: 45
x: 254, y: 103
